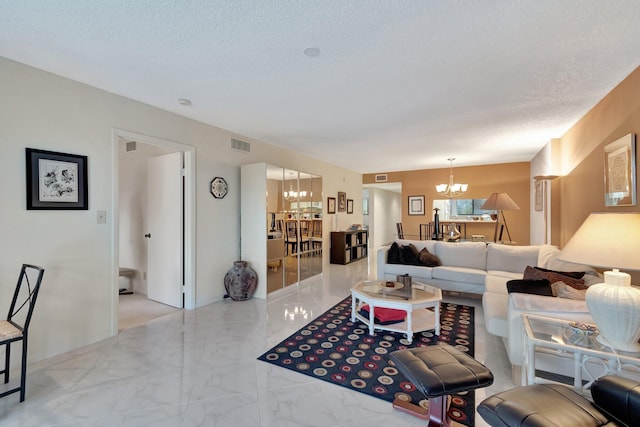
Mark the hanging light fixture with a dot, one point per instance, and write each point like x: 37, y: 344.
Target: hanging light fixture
x: 451, y: 190
x: 292, y: 195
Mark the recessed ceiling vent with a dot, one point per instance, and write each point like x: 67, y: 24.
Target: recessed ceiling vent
x: 131, y: 146
x: 243, y: 146
x: 381, y: 177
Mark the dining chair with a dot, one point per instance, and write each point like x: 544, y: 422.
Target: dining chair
x: 16, y: 327
x: 316, y: 236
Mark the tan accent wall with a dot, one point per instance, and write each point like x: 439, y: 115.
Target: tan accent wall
x: 582, y: 155
x: 511, y: 178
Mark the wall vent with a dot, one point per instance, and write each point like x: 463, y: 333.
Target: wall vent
x: 131, y: 146
x: 243, y: 146
x: 381, y: 177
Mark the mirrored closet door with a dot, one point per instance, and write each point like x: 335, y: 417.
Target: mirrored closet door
x: 293, y: 225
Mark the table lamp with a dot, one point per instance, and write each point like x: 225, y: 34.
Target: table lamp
x: 611, y: 240
x: 500, y: 202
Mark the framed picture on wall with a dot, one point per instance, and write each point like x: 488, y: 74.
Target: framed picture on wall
x: 416, y: 205
x: 349, y: 206
x: 342, y: 201
x: 539, y: 196
x: 56, y: 181
x: 620, y: 172
x: 331, y: 205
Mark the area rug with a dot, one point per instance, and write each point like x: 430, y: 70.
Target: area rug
x: 334, y: 349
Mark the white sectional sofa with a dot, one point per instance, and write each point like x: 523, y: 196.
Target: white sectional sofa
x: 479, y: 268
x: 465, y: 265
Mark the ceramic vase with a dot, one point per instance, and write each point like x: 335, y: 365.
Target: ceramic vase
x: 615, y: 308
x: 453, y: 234
x: 240, y: 281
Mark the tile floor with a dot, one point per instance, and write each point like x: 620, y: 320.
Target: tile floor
x: 199, y: 368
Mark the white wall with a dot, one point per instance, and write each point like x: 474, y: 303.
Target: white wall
x: 385, y: 210
x: 543, y: 164
x: 44, y: 111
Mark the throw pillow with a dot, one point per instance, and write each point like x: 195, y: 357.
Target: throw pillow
x: 572, y: 274
x: 384, y: 316
x: 409, y: 255
x: 562, y: 290
x: 552, y: 277
x: 427, y: 258
x: 535, y: 287
x: 394, y: 255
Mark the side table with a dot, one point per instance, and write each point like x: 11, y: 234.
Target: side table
x: 591, y: 359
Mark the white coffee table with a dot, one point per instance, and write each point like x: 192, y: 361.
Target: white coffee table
x: 421, y: 302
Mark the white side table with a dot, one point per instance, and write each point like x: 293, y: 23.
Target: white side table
x: 591, y: 359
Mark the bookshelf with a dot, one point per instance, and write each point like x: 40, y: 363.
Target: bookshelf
x: 348, y: 246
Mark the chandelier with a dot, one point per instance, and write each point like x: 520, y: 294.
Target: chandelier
x: 293, y: 195
x: 451, y: 190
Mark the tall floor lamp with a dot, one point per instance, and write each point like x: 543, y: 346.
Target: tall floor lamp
x: 500, y: 202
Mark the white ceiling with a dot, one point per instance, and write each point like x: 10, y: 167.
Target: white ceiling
x: 398, y: 85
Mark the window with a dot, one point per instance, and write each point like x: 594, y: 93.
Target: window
x: 470, y: 207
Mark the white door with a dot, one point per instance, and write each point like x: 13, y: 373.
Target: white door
x: 165, y: 233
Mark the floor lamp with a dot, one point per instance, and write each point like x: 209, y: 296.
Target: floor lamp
x: 500, y: 202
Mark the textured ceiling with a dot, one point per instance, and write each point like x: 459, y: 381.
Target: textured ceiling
x: 398, y: 85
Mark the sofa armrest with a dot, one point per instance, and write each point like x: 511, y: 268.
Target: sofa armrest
x: 617, y: 398
x: 381, y: 260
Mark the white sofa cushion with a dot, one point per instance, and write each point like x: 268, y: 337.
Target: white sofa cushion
x: 511, y: 258
x: 417, y: 272
x: 462, y: 254
x: 548, y: 258
x: 459, y: 274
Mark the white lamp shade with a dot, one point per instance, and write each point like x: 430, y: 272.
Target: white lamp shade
x: 610, y: 240
x: 499, y: 202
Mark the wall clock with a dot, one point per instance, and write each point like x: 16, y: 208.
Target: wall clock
x: 219, y: 187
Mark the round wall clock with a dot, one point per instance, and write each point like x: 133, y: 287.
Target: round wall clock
x: 219, y: 187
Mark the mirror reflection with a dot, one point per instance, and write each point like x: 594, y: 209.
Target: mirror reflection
x: 294, y: 226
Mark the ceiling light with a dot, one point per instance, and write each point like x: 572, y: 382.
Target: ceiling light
x: 184, y: 101
x: 312, y: 52
x: 451, y: 190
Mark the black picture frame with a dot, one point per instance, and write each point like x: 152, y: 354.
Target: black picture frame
x: 56, y: 181
x: 331, y: 205
x: 349, y: 206
x: 416, y: 205
x: 342, y: 201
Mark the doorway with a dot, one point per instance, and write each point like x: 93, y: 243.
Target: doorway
x: 131, y: 154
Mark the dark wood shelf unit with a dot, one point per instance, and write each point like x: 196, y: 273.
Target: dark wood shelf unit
x: 348, y: 246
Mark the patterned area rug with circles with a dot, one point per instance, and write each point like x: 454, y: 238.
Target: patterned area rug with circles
x: 335, y: 349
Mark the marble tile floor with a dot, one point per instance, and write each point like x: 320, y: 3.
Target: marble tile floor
x: 199, y: 368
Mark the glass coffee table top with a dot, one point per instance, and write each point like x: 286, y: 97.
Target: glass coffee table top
x: 395, y: 290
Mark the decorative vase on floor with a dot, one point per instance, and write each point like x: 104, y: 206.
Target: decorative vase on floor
x: 240, y: 281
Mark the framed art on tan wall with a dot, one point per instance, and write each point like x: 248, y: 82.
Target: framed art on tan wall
x: 620, y: 172
x: 349, y: 206
x: 416, y: 205
x: 539, y: 195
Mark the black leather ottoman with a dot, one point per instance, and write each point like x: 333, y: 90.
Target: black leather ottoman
x: 439, y: 371
x: 616, y: 403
